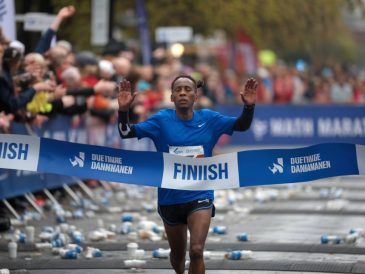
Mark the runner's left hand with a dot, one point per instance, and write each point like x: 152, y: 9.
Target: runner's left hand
x: 248, y: 95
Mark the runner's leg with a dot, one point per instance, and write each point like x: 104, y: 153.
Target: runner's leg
x: 198, y: 225
x: 177, y: 236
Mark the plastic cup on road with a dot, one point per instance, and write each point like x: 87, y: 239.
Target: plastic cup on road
x: 132, y: 248
x: 29, y: 232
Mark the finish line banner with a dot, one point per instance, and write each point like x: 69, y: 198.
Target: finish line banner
x: 232, y: 170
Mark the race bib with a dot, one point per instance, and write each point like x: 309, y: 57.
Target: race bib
x: 187, y: 151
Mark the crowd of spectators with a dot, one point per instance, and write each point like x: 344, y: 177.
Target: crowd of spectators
x: 38, y: 83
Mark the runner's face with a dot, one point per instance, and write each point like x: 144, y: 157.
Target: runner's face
x: 184, y: 94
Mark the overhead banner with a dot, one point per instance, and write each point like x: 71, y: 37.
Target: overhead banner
x: 232, y: 170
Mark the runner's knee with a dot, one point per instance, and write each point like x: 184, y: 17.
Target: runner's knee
x: 196, y: 251
x: 177, y: 256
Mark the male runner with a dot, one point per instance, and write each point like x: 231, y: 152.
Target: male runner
x: 186, y: 132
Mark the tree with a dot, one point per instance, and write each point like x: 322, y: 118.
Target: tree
x: 309, y: 29
x: 313, y: 29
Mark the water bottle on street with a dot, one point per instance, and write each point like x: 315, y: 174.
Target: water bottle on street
x: 68, y: 253
x: 20, y: 237
x: 330, y: 239
x: 135, y: 263
x: 77, y: 237
x: 238, y: 254
x: 92, y: 252
x: 359, y: 231
x: 243, y: 237
x: 351, y: 238
x: 12, y: 248
x: 127, y: 217
x: 161, y: 253
x: 219, y: 230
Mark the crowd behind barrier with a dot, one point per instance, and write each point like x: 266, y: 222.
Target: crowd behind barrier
x: 40, y: 85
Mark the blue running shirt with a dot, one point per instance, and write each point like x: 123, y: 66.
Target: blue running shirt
x: 193, y: 138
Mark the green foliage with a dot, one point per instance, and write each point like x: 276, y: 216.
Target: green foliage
x: 77, y: 28
x: 309, y: 29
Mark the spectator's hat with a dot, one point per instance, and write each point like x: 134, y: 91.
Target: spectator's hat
x: 85, y: 58
x: 11, y: 54
x: 106, y: 66
x: 18, y: 45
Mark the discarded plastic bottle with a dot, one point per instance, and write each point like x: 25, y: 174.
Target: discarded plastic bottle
x: 60, y: 219
x: 78, y: 214
x: 77, y: 237
x: 127, y: 217
x: 219, y: 230
x: 68, y: 254
x: 20, y: 237
x: 238, y: 254
x: 242, y: 237
x: 214, y: 255
x: 125, y: 228
x: 29, y: 231
x: 48, y: 229
x: 113, y: 227
x: 92, y: 252
x: 97, y: 253
x: 12, y: 248
x: 59, y: 241
x: 140, y: 253
x: 43, y: 246
x: 360, y: 231
x: 135, y: 263
x: 132, y: 248
x: 330, y: 239
x: 75, y: 247
x: 351, y: 238
x: 161, y: 253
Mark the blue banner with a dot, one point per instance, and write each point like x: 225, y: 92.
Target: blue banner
x: 272, y: 125
x: 17, y: 182
x: 144, y: 33
x: 300, y: 125
x: 232, y: 170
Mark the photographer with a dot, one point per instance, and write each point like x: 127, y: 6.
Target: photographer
x: 10, y: 100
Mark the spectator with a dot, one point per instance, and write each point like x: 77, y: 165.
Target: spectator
x: 341, y: 90
x: 122, y: 68
x: 9, y: 101
x: 45, y: 42
x: 283, y: 86
x: 359, y: 91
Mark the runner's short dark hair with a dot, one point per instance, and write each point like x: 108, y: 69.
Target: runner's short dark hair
x: 197, y: 83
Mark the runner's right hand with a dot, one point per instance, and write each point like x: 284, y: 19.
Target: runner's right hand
x: 125, y: 96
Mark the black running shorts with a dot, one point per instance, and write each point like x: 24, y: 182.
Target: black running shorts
x: 179, y: 213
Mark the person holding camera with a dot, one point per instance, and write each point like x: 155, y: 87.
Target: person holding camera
x: 11, y: 100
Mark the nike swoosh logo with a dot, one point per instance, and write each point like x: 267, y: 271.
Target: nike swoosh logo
x: 201, y: 201
x: 201, y: 125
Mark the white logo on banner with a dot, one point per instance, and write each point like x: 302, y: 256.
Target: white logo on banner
x: 218, y: 172
x: 187, y: 151
x: 259, y: 128
x: 308, y: 163
x: 278, y: 166
x: 110, y: 164
x: 78, y: 160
